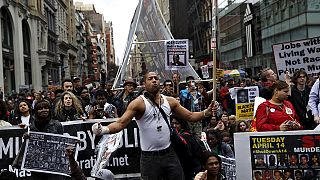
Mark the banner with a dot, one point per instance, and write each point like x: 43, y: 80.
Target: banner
x: 295, y: 55
x: 277, y: 154
x: 10, y: 143
x: 46, y: 152
x: 177, y: 54
x: 245, y: 101
x: 124, y: 163
x: 126, y: 160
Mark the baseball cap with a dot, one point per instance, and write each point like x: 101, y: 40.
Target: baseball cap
x: 75, y: 79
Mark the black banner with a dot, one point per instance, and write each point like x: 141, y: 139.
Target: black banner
x: 125, y: 161
x: 285, y: 156
x: 10, y: 143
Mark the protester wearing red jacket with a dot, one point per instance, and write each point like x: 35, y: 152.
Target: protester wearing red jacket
x: 277, y: 114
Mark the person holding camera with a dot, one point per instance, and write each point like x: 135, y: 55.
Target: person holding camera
x: 277, y: 114
x: 102, y: 109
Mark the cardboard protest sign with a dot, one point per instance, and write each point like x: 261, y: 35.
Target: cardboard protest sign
x: 46, y: 152
x: 295, y: 55
x: 245, y: 101
x: 177, y: 54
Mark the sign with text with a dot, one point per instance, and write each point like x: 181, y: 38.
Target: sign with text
x: 292, y: 56
x: 219, y: 73
x: 46, y: 152
x: 10, y: 143
x: 124, y: 163
x: 205, y: 71
x: 295, y: 154
x: 245, y: 101
x: 177, y: 54
x: 126, y: 160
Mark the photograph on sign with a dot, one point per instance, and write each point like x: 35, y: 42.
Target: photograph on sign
x: 46, y: 152
x: 176, y: 59
x: 205, y: 71
x: 244, y: 98
x: 177, y: 54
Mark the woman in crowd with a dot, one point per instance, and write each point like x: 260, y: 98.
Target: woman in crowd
x: 212, y: 167
x: 217, y: 146
x: 191, y: 161
x: 277, y: 113
x: 212, y: 124
x: 22, y: 114
x: 3, y: 114
x: 42, y: 122
x: 68, y: 108
x: 242, y: 126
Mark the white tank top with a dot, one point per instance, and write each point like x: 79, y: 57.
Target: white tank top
x: 153, y: 129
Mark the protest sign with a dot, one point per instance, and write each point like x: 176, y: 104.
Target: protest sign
x: 205, y: 72
x: 126, y: 160
x: 10, y: 143
x: 229, y: 167
x: 219, y: 73
x: 124, y: 163
x: 295, y: 55
x: 46, y: 152
x: 245, y: 101
x: 282, y: 152
x: 177, y: 54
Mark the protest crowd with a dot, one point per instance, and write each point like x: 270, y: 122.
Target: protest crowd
x: 291, y: 104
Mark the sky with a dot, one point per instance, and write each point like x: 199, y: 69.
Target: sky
x: 120, y: 12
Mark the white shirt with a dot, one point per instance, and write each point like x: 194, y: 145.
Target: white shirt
x: 153, y: 129
x: 25, y: 120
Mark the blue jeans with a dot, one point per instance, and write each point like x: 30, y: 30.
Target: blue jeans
x: 162, y: 165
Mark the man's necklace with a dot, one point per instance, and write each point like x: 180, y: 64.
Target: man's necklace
x: 157, y: 113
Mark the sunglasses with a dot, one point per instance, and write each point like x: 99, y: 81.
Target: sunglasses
x: 171, y: 85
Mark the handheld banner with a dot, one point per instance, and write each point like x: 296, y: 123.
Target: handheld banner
x: 295, y: 55
x: 125, y: 161
x: 277, y: 153
x: 46, y: 152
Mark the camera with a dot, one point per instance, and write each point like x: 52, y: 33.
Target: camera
x: 99, y: 109
x: 290, y: 123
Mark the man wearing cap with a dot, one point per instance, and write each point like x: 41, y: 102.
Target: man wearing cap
x: 158, y: 158
x: 122, y: 99
x: 77, y: 88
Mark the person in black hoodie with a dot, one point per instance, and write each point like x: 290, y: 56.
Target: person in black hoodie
x: 43, y: 122
x: 299, y: 98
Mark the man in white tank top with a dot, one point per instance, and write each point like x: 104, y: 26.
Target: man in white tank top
x: 158, y: 159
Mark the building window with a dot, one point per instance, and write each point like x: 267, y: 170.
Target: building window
x: 6, y: 29
x: 26, y: 38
